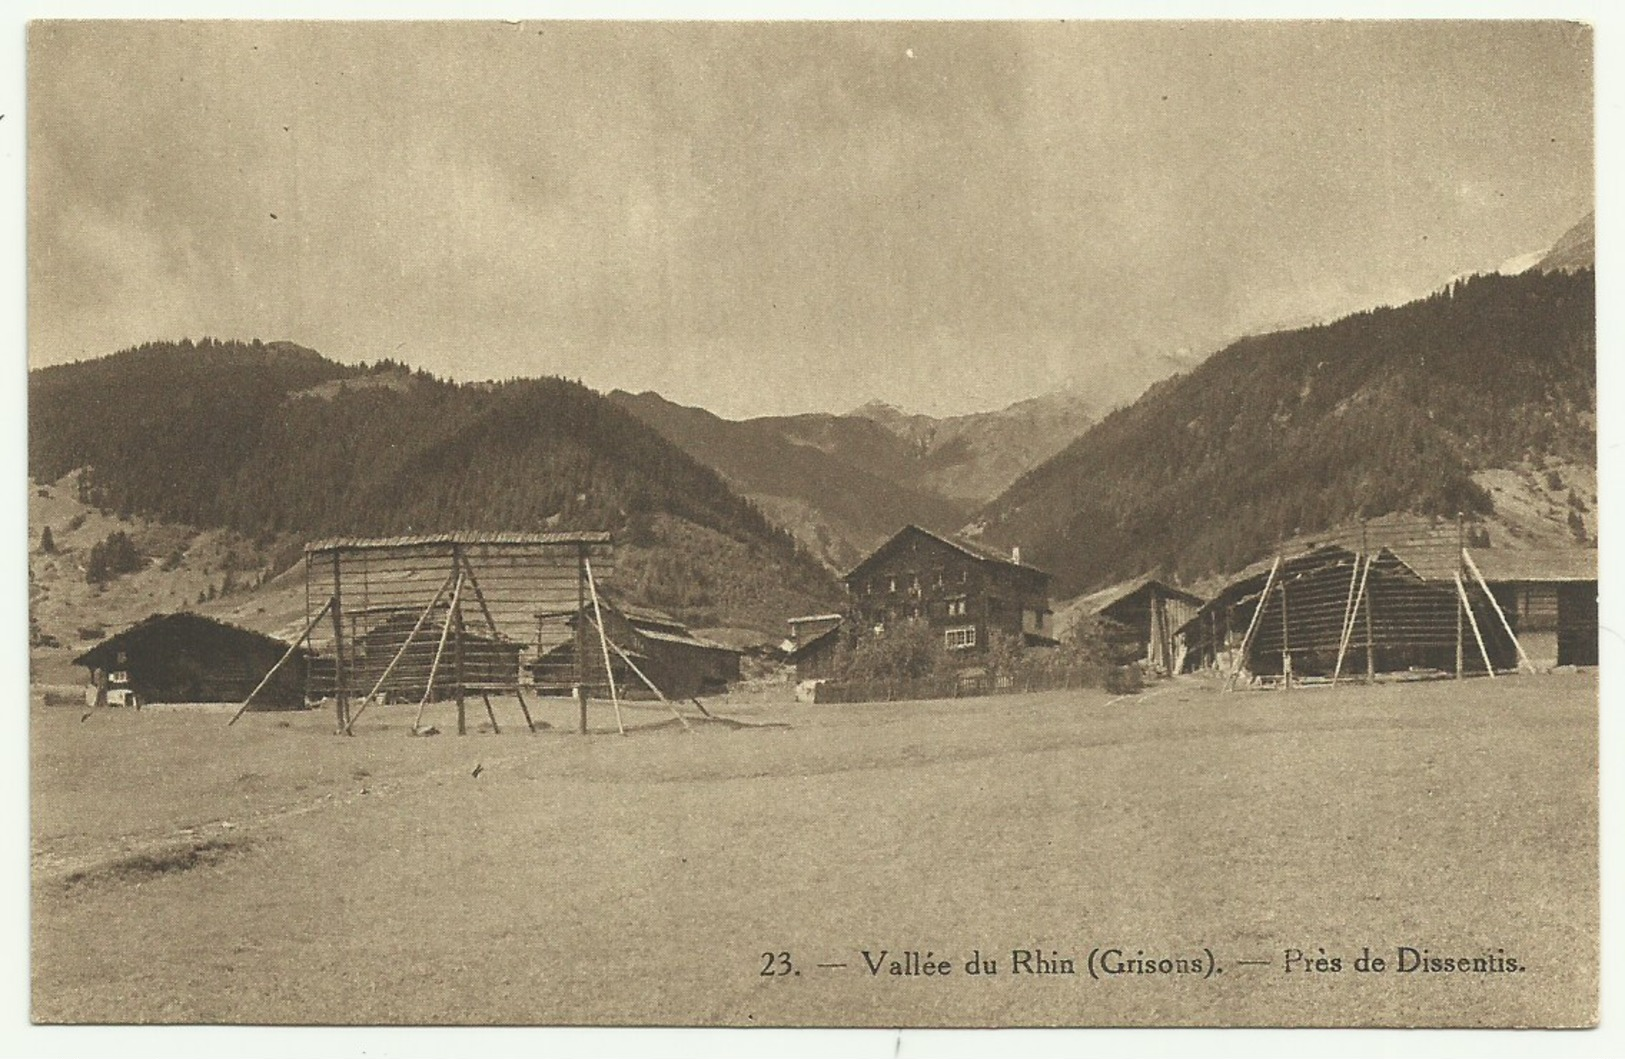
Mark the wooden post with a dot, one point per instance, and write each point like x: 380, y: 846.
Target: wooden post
x: 1499, y: 613
x: 440, y: 649
x: 1354, y: 609
x: 291, y: 649
x: 1370, y: 640
x: 1252, y: 626
x: 341, y: 703
x: 603, y: 642
x: 1461, y: 590
x: 457, y: 655
x: 1461, y: 604
x: 581, y: 634
x: 1286, y: 645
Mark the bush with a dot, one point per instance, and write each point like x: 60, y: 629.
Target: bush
x: 1125, y: 680
x: 111, y: 557
x: 905, y: 651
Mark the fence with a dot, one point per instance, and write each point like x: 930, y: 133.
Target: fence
x: 1122, y: 679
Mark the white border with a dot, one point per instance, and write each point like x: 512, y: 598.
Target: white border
x: 17, y: 1037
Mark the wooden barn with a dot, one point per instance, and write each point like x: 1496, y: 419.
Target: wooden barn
x: 1147, y: 611
x: 814, y: 642
x: 681, y: 664
x: 1330, y: 611
x: 186, y: 657
x: 1549, y: 597
x: 966, y: 590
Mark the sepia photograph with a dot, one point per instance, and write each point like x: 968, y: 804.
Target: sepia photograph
x: 911, y: 525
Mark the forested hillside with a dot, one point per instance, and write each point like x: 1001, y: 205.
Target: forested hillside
x: 277, y: 441
x: 1388, y: 410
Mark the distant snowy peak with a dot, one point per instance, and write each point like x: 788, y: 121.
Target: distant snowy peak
x: 1513, y: 266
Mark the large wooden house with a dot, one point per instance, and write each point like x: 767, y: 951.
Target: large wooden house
x: 966, y: 590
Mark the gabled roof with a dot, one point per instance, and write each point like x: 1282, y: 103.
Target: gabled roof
x: 972, y: 549
x: 1536, y: 564
x: 648, y: 622
x: 181, y: 619
x: 807, y: 647
x: 1096, y: 602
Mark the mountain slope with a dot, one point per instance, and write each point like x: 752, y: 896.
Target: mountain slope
x: 1388, y: 410
x: 974, y: 457
x: 1576, y: 249
x: 838, y: 509
x: 273, y: 443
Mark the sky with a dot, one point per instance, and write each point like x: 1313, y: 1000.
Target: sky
x: 778, y: 217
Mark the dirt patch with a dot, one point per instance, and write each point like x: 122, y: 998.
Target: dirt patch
x: 152, y: 863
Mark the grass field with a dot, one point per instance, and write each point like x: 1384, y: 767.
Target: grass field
x: 272, y: 872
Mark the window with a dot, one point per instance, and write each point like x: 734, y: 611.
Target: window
x: 956, y: 608
x: 891, y: 584
x: 959, y: 639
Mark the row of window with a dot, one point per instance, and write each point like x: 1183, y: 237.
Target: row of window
x: 889, y: 584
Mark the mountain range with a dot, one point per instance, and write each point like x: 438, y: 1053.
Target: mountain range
x: 1479, y: 398
x: 279, y: 444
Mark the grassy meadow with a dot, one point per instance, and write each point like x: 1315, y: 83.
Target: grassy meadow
x: 273, y: 872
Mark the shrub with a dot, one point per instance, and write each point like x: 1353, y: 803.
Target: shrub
x: 905, y: 651
x: 111, y: 557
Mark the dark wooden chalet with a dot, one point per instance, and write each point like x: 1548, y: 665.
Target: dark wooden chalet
x: 679, y: 663
x: 186, y: 657
x: 964, y: 589
x: 1145, y: 612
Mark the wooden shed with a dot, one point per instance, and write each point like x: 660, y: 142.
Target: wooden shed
x: 1549, y: 597
x: 1148, y: 611
x: 815, y: 640
x: 680, y: 663
x: 1329, y: 610
x: 186, y: 657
